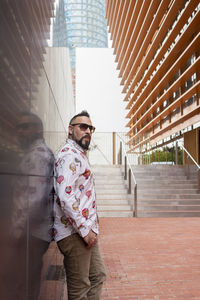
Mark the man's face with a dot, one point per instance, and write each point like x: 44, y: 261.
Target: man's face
x: 80, y: 134
x: 27, y: 130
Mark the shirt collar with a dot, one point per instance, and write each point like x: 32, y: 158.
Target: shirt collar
x: 77, y: 146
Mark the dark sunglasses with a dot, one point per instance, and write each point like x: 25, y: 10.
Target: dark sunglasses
x: 84, y: 126
x: 26, y: 125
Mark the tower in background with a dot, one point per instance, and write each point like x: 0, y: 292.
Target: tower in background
x: 59, y: 26
x: 86, y: 27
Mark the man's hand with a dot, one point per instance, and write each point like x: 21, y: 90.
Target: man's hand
x: 91, y: 239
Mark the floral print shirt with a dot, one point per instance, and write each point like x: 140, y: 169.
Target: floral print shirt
x: 75, y: 199
x: 32, y: 187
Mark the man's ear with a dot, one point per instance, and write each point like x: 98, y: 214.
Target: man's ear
x: 70, y: 129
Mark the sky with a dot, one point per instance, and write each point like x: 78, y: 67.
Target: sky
x: 98, y: 89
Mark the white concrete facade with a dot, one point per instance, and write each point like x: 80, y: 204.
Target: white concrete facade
x: 55, y: 89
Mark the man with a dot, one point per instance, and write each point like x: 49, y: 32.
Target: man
x: 76, y: 220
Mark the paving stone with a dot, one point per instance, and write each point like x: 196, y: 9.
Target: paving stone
x: 153, y: 258
x: 145, y: 259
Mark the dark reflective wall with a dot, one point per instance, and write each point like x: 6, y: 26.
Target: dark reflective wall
x: 29, y: 120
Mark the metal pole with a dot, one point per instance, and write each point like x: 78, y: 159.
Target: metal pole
x: 120, y: 153
x: 114, y: 147
x: 125, y: 168
x: 129, y: 181
x: 187, y: 167
x: 135, y: 200
x: 176, y: 154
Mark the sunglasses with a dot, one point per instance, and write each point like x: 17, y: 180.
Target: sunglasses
x: 84, y: 127
x: 25, y: 125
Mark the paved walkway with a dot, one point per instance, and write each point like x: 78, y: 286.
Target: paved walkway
x: 150, y: 259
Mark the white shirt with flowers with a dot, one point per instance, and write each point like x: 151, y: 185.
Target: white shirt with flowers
x: 75, y: 202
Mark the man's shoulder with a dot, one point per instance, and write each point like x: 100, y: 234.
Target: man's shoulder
x: 68, y: 153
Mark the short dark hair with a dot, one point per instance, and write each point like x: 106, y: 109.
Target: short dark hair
x: 36, y: 120
x: 84, y: 113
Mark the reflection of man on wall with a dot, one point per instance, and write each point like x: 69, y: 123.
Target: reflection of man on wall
x: 31, y: 220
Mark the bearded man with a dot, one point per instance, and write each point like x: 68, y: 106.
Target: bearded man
x: 76, y: 220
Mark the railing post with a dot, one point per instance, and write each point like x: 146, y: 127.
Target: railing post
x: 129, y: 181
x: 135, y: 201
x: 187, y: 167
x: 176, y: 154
x: 120, y: 153
x: 125, y: 168
x: 114, y: 147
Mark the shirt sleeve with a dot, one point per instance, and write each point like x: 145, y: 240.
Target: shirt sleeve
x: 67, y: 173
x: 32, y: 195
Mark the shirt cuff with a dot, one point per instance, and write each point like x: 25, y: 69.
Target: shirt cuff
x: 85, y: 228
x: 84, y: 231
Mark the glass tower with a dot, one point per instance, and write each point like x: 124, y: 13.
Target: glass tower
x: 86, y: 26
x: 59, y: 25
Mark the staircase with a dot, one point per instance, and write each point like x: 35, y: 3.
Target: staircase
x: 112, y: 197
x: 163, y: 191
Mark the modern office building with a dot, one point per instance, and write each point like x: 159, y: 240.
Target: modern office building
x: 156, y: 44
x: 86, y: 26
x: 59, y: 26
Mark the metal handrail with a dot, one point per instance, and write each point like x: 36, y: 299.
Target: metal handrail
x: 194, y: 161
x: 97, y: 147
x: 128, y: 162
x: 130, y: 173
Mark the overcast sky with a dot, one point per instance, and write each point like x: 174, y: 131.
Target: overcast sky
x: 98, y: 89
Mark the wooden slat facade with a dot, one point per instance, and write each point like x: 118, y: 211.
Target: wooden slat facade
x: 157, y: 48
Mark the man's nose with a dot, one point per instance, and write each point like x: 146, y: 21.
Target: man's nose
x: 88, y: 131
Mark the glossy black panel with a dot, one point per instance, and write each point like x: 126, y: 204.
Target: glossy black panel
x: 26, y: 162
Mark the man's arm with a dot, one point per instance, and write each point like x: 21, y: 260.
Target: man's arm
x: 67, y: 173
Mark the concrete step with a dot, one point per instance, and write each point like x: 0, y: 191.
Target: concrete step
x: 119, y: 207
x: 157, y: 173
x: 167, y: 196
x: 102, y: 191
x: 112, y: 202
x: 113, y: 181
x: 115, y: 197
x: 115, y: 214
x: 142, y: 203
x: 166, y: 181
x: 144, y: 176
x: 171, y: 207
x: 176, y: 191
x: 120, y: 186
x: 168, y: 214
x: 158, y: 185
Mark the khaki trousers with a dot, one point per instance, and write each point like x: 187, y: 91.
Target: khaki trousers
x: 84, y: 268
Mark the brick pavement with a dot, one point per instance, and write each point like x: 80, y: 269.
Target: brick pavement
x: 145, y: 258
x: 152, y: 258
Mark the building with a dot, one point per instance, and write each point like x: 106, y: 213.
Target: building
x: 156, y: 44
x: 36, y: 105
x: 59, y: 26
x: 86, y: 27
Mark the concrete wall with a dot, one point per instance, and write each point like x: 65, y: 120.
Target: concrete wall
x: 53, y: 99
x: 191, y: 143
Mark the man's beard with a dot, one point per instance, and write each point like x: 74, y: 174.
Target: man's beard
x: 86, y: 143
